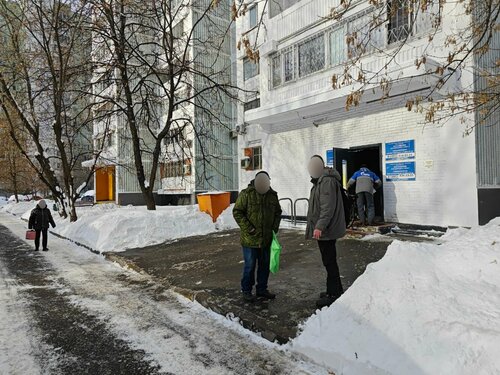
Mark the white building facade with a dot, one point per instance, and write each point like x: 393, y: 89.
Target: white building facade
x: 291, y: 110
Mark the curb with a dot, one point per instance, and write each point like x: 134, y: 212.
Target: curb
x: 205, y: 299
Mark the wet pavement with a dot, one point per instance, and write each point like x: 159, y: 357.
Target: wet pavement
x: 208, y: 269
x: 70, y: 311
x: 81, y: 343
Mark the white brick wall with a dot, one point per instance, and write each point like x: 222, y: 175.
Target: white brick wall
x: 442, y: 195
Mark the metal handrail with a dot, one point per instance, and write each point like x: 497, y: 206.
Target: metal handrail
x: 291, y: 206
x: 295, y: 208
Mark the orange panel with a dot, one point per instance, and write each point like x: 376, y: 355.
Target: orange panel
x: 214, y: 204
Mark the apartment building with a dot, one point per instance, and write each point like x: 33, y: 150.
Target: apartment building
x: 199, y: 154
x: 432, y: 174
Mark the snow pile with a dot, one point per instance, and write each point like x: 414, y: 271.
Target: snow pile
x: 422, y: 309
x: 115, y: 228
x: 20, y: 208
x: 226, y: 221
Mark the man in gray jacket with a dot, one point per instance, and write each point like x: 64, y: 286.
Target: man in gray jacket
x: 326, y: 224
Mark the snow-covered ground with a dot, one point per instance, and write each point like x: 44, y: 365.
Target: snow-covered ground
x: 422, y: 309
x: 108, y: 227
x: 425, y: 308
x: 180, y: 336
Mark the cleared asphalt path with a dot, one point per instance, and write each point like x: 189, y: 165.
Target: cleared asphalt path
x: 69, y: 311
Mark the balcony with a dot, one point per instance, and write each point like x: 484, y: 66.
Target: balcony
x: 299, y: 75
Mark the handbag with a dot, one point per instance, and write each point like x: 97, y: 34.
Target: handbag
x: 30, y: 234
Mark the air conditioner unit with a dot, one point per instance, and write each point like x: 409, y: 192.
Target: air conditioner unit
x: 233, y: 134
x: 241, y: 129
x: 245, y: 163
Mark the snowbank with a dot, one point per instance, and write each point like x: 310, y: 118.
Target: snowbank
x: 226, y: 221
x: 108, y: 227
x: 115, y: 228
x: 422, y: 309
x: 20, y: 208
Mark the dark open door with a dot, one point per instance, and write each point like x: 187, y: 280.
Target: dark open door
x: 370, y: 156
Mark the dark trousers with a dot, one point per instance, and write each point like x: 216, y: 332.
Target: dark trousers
x: 366, y: 199
x: 329, y: 257
x: 255, y: 257
x: 44, y: 233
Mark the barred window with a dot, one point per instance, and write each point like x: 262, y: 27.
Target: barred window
x: 399, y: 17
x: 276, y: 70
x: 311, y: 55
x: 289, y: 65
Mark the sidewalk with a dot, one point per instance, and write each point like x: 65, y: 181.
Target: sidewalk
x: 208, y: 269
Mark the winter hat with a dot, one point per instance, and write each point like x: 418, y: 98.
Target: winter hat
x: 263, y: 172
x: 42, y: 204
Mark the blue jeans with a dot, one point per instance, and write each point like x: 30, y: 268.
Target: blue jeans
x: 366, y: 199
x: 255, y: 257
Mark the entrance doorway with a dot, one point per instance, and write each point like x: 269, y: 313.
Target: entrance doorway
x: 105, y: 184
x: 354, y: 157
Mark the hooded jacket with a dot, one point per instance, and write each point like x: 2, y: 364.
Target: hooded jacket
x: 326, y: 209
x: 40, y: 218
x: 258, y: 215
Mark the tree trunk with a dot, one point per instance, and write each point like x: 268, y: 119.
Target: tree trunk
x: 72, y: 212
x: 149, y: 199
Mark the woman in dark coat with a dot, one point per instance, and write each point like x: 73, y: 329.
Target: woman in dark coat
x: 40, y: 219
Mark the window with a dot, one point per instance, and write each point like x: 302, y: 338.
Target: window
x: 175, y: 169
x: 289, y: 66
x: 251, y: 104
x: 398, y: 13
x: 253, y: 17
x: 337, y: 46
x: 311, y: 55
x: 250, y: 69
x: 256, y: 158
x: 255, y: 155
x: 276, y: 70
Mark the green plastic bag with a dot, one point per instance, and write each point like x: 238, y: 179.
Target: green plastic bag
x: 275, y: 255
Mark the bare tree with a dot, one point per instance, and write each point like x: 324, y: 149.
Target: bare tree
x: 170, y: 65
x: 44, y: 87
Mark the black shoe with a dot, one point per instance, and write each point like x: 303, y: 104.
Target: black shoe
x: 36, y: 250
x: 326, y: 301
x: 45, y: 249
x: 248, y: 297
x: 323, y: 295
x: 266, y: 294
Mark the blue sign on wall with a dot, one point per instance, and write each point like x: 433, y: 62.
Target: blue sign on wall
x: 400, y: 150
x: 402, y: 170
x: 329, y: 158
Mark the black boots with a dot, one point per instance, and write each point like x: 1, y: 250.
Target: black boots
x: 266, y: 294
x: 325, y: 299
x: 248, y: 297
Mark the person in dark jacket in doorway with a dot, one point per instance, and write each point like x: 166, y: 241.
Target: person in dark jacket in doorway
x: 258, y: 213
x: 40, y: 219
x: 366, y: 181
x: 326, y: 224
